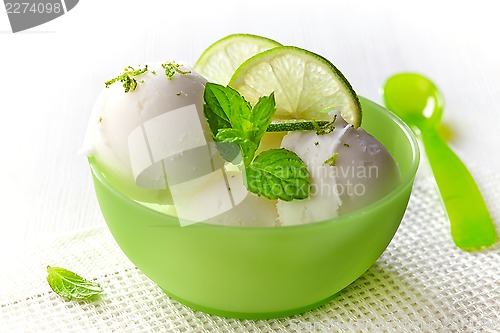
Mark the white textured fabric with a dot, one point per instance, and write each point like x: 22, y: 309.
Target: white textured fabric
x: 422, y: 283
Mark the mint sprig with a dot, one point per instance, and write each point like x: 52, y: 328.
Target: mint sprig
x: 70, y: 285
x: 274, y: 174
x: 232, y: 119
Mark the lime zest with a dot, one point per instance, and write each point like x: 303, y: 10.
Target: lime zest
x: 127, y: 78
x: 326, y: 127
x: 332, y: 160
x: 171, y: 68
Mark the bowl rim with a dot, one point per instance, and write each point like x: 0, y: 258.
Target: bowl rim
x: 407, y: 180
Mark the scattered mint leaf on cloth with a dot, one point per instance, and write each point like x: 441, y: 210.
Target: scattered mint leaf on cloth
x: 70, y: 285
x: 278, y: 174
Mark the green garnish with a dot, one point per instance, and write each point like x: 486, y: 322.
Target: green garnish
x: 300, y: 125
x: 171, y: 68
x: 238, y: 128
x: 331, y: 161
x: 127, y: 78
x: 70, y: 285
x: 346, y: 145
x: 278, y: 174
x: 324, y: 128
x: 316, y: 143
x: 232, y: 119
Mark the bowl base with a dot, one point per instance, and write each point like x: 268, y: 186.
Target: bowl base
x: 250, y: 315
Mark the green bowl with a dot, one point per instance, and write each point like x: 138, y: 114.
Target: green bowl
x: 252, y: 273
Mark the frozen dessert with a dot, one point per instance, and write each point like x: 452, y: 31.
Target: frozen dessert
x: 162, y: 135
x: 152, y: 142
x: 125, y: 119
x: 348, y: 168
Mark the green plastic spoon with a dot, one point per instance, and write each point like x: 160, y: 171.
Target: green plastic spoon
x: 419, y: 103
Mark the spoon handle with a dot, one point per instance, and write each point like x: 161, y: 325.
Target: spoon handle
x: 471, y: 224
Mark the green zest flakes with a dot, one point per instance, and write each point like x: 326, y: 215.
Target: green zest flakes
x: 127, y: 78
x: 171, y: 68
x: 332, y: 160
x: 325, y: 128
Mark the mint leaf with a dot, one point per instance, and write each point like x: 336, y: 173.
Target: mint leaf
x: 214, y: 113
x: 261, y: 116
x: 232, y: 135
x: 278, y: 174
x: 224, y: 107
x: 231, y: 119
x: 237, y: 136
x: 229, y: 151
x: 70, y: 285
x: 275, y: 173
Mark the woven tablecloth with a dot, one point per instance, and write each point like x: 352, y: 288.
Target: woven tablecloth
x: 422, y: 283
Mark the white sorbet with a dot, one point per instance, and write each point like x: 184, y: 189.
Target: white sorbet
x: 349, y: 169
x: 153, y: 144
x: 113, y: 135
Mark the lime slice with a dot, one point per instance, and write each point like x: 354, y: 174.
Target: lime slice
x: 220, y: 60
x: 305, y: 85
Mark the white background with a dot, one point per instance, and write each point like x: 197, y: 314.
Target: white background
x: 51, y: 75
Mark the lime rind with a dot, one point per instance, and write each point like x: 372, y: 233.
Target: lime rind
x: 220, y: 60
x: 306, y: 85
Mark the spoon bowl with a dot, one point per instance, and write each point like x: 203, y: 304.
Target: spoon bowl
x: 418, y: 101
x: 415, y: 99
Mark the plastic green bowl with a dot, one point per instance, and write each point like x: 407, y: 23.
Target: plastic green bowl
x: 263, y: 272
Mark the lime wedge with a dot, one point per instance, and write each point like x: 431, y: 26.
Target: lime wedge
x: 219, y: 61
x: 305, y: 85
